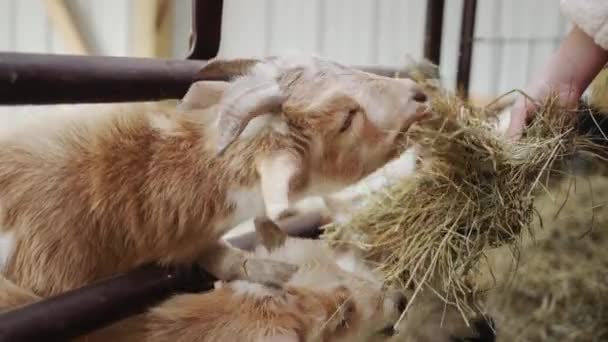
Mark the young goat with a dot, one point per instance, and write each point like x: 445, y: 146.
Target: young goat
x: 332, y: 297
x: 87, y: 197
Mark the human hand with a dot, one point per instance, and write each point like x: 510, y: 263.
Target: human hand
x: 539, y: 90
x: 566, y: 75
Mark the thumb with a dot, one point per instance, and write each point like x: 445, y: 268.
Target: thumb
x: 516, y: 126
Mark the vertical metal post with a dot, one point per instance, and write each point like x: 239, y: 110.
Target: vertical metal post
x: 467, y: 32
x: 206, y: 29
x: 433, y: 30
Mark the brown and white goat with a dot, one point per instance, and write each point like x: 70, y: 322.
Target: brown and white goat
x: 332, y: 297
x: 87, y: 197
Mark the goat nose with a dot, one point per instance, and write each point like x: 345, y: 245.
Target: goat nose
x: 419, y: 96
x: 400, y: 301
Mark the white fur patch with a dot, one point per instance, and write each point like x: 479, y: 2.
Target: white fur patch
x: 320, y: 186
x: 248, y: 202
x: 7, y: 244
x: 347, y: 262
x: 344, y: 203
x: 246, y: 288
x: 162, y: 123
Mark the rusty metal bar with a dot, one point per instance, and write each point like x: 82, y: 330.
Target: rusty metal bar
x: 467, y: 32
x: 206, y: 29
x: 433, y: 30
x: 81, y: 311
x: 27, y: 78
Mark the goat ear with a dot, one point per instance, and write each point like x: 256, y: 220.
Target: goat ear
x: 269, y: 234
x: 225, y: 69
x: 203, y: 94
x: 215, y: 76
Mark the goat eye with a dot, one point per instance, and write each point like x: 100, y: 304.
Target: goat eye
x: 348, y: 120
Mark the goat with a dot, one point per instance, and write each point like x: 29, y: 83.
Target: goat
x: 332, y: 297
x: 84, y: 198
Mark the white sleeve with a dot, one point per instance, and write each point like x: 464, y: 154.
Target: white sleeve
x: 591, y: 16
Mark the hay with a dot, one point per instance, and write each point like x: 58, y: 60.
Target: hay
x: 560, y: 289
x: 473, y: 192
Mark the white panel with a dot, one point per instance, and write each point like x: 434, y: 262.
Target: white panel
x: 515, y: 53
x: 105, y: 25
x: 401, y: 31
x: 486, y: 52
x: 517, y: 14
x: 182, y: 27
x: 513, y: 68
x: 450, y: 42
x: 30, y: 26
x: 6, y: 7
x: 546, y: 18
x: 350, y: 31
x: 539, y: 55
x: 293, y: 26
x: 244, y: 28
x: 57, y: 44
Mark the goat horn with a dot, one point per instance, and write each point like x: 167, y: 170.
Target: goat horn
x: 224, y: 69
x: 248, y: 98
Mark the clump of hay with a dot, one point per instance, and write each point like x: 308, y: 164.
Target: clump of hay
x: 559, y: 291
x: 473, y: 192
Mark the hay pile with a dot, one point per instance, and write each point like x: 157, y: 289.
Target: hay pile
x: 473, y: 192
x: 560, y: 289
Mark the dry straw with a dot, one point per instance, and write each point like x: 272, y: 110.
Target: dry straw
x: 559, y: 292
x: 473, y: 192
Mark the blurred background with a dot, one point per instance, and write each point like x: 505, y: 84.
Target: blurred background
x: 512, y: 37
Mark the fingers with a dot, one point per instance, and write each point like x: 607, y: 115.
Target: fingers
x: 518, y: 121
x: 520, y: 113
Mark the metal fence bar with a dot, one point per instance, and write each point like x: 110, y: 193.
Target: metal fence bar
x: 81, y: 311
x: 467, y: 32
x: 433, y: 30
x: 206, y: 29
x: 27, y: 78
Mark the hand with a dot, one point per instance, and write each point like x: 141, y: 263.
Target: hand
x: 541, y: 89
x: 567, y: 74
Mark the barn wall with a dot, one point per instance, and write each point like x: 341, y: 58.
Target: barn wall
x: 514, y: 37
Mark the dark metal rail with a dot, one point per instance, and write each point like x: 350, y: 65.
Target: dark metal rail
x: 84, y: 310
x: 433, y: 30
x: 45, y: 79
x: 206, y: 29
x: 467, y: 33
x: 27, y: 78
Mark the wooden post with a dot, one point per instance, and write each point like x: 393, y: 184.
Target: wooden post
x: 66, y: 27
x: 152, y: 28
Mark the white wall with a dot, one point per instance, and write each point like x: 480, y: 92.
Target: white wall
x: 351, y: 31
